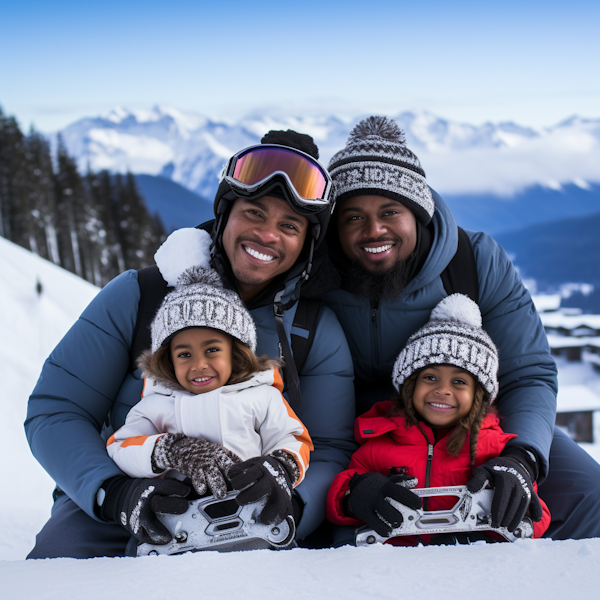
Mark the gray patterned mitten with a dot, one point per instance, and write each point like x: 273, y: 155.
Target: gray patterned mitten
x: 290, y: 464
x: 204, y: 462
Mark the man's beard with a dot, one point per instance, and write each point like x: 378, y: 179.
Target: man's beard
x: 379, y: 286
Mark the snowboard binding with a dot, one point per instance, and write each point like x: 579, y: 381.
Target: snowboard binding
x: 470, y: 514
x: 221, y: 524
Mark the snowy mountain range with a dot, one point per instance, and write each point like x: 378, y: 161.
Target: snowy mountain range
x: 458, y: 158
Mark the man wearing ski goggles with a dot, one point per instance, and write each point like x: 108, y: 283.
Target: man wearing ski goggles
x: 272, y: 209
x: 261, y: 184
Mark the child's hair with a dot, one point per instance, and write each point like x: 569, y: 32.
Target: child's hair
x: 471, y: 423
x: 244, y: 363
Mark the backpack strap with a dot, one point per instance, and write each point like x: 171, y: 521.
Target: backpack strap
x: 460, y: 276
x: 304, y: 328
x: 153, y: 288
x: 302, y: 336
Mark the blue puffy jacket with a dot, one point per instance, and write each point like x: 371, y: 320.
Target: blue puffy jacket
x: 85, y: 389
x: 528, y: 378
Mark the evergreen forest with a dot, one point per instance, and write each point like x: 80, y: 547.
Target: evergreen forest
x: 96, y: 225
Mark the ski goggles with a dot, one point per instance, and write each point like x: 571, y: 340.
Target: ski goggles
x: 253, y: 168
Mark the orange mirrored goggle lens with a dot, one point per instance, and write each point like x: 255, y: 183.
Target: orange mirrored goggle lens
x: 306, y: 177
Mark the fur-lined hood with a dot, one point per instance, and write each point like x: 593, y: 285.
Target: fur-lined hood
x: 144, y: 362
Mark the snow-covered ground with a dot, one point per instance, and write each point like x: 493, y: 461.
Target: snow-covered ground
x: 523, y: 571
x: 33, y: 323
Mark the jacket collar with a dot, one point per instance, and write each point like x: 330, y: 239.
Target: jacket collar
x: 156, y: 384
x: 377, y: 422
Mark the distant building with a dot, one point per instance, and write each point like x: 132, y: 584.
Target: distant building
x: 575, y: 337
x: 571, y: 325
x: 578, y: 413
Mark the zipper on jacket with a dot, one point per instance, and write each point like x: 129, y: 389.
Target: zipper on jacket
x: 375, y: 335
x: 428, y: 467
x: 428, y: 473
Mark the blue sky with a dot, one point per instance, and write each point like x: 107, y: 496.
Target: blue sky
x: 534, y: 62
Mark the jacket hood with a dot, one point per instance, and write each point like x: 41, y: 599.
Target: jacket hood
x: 436, y: 245
x: 377, y: 422
x: 443, y: 247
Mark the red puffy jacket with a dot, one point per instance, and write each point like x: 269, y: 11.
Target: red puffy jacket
x: 386, y: 444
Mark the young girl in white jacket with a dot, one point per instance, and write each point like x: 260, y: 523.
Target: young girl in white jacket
x: 210, y: 408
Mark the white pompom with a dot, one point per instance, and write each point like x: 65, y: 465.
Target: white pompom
x: 458, y: 308
x: 184, y: 248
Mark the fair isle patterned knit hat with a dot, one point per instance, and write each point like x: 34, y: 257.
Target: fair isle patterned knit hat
x: 377, y: 162
x: 453, y: 336
x: 199, y: 299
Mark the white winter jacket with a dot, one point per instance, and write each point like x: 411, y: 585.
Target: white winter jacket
x: 250, y: 418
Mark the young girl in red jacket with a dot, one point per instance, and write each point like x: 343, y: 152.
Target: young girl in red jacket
x: 441, y: 430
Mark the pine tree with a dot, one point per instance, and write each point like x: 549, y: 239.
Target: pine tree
x: 151, y: 228
x: 109, y: 255
x: 41, y: 200
x: 140, y: 233
x: 68, y: 189
x: 97, y: 226
x: 12, y: 161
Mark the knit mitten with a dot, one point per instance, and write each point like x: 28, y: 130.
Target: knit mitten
x: 368, y: 500
x: 135, y: 503
x: 205, y: 463
x: 513, y: 491
x: 266, y: 476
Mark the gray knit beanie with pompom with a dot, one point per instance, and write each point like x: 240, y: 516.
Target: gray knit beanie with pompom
x: 377, y: 162
x: 199, y: 298
x: 453, y: 336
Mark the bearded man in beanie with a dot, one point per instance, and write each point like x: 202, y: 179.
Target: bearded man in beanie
x: 393, y: 245
x: 272, y: 209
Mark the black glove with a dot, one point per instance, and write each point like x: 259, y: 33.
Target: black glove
x: 134, y: 503
x: 513, y: 491
x: 264, y: 476
x: 204, y: 462
x: 367, y: 500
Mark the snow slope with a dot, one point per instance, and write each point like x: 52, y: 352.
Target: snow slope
x: 458, y: 158
x: 33, y: 324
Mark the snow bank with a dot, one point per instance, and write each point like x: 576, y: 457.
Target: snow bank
x: 31, y: 325
x: 525, y: 569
